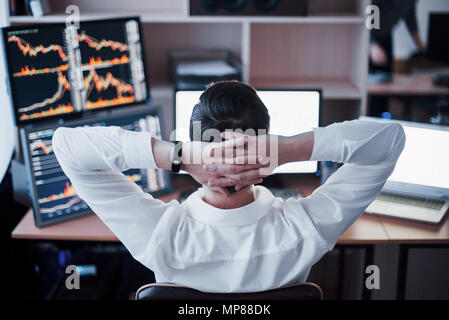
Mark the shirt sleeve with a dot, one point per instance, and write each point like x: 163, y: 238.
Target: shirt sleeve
x: 369, y: 151
x: 93, y: 158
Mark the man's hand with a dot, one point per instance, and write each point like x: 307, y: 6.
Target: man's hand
x: 378, y: 55
x: 252, y: 159
x: 217, y: 164
x: 259, y: 156
x: 220, y: 165
x: 239, y: 161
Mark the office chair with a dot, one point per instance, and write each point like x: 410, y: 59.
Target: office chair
x: 167, y: 291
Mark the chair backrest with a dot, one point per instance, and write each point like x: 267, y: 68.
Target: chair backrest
x: 166, y: 291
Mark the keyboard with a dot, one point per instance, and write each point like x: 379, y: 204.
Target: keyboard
x: 409, y: 207
x: 277, y: 192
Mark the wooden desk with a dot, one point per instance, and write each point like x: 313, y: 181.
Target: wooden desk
x: 366, y: 230
x: 409, y: 85
x: 410, y: 232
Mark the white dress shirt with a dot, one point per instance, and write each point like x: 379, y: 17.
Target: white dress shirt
x: 263, y: 245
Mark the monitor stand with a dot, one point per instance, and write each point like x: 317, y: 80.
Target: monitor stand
x: 273, y: 181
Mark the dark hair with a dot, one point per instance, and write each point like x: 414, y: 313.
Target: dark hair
x: 229, y: 105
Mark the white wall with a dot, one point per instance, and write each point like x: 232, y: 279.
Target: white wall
x: 403, y: 44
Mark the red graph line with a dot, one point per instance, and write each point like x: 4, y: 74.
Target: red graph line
x: 103, y: 43
x: 69, y: 191
x: 93, y: 80
x: 26, y: 71
x: 103, y: 83
x: 99, y: 62
x: 100, y: 103
x: 63, y: 206
x: 32, y: 51
x: 39, y: 144
x: 93, y: 62
x: 60, y: 109
x: 63, y: 85
x: 28, y: 49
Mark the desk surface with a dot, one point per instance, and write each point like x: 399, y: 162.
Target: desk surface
x: 404, y: 84
x: 402, y: 231
x: 367, y: 229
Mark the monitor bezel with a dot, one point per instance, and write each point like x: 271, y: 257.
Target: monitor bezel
x: 320, y: 117
x: 415, y: 189
x: 24, y: 132
x: 431, y: 52
x: 72, y: 115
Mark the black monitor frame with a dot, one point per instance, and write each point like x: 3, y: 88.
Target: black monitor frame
x: 320, y: 115
x: 435, y: 38
x: 72, y: 115
x: 24, y: 132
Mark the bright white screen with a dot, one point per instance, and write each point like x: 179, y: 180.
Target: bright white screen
x: 291, y: 112
x: 425, y: 159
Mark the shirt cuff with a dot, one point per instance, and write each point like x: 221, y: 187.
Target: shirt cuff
x: 327, y: 144
x: 138, y: 150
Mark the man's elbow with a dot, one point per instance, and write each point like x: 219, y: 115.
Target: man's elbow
x: 398, y: 141
x: 59, y: 142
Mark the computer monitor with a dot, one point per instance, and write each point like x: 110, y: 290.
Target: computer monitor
x: 424, y: 161
x: 438, y: 37
x: 51, y: 192
x: 425, y: 158
x: 57, y: 70
x: 291, y: 112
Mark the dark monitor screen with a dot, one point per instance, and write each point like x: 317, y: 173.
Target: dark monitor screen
x: 53, y: 197
x: 438, y: 37
x: 56, y: 70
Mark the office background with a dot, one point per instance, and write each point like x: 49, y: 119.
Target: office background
x: 327, y: 49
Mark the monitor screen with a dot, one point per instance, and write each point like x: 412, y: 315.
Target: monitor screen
x: 54, y: 198
x: 425, y: 158
x: 56, y: 70
x: 438, y: 37
x: 291, y: 112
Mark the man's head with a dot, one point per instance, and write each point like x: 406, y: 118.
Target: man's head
x: 228, y: 105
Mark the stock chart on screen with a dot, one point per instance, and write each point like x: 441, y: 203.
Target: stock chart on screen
x: 54, y: 195
x: 57, y: 69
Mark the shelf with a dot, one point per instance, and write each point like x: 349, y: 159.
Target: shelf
x: 322, y: 50
x: 161, y: 18
x: 407, y: 85
x: 60, y: 18
x: 331, y: 89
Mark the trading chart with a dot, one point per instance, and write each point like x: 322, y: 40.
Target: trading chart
x: 55, y: 195
x: 60, y: 69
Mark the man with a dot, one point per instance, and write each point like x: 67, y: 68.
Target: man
x: 381, y: 48
x: 230, y: 236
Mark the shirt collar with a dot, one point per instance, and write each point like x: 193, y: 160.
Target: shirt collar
x: 201, y: 210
